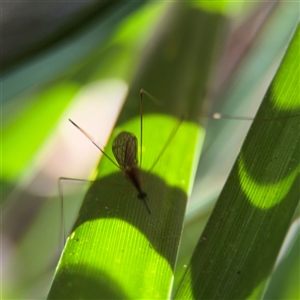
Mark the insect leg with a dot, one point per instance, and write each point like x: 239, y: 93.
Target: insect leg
x: 156, y: 101
x: 61, y: 180
x: 170, y: 138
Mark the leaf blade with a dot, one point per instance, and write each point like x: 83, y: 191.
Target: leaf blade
x: 241, y: 241
x: 149, y: 242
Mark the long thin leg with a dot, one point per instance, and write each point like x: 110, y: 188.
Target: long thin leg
x: 173, y: 133
x: 141, y: 126
x: 219, y: 116
x: 156, y: 101
x: 61, y: 196
x: 164, y: 148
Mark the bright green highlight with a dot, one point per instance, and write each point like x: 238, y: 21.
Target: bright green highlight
x: 211, y: 6
x: 116, y: 242
x: 125, y: 254
x: 138, y: 23
x: 225, y: 7
x: 22, y: 138
x: 271, y: 193
x: 258, y: 290
x: 286, y: 83
x: 156, y: 133
x: 118, y: 56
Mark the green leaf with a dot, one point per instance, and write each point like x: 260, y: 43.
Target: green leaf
x: 116, y: 248
x: 284, y: 283
x: 66, y: 49
x: 224, y: 137
x: 49, y: 103
x: 32, y: 127
x: 39, y: 110
x: 239, y: 246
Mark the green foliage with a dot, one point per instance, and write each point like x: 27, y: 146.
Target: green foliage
x: 116, y: 249
x: 239, y: 246
x: 140, y: 260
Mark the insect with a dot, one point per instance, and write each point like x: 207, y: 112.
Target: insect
x: 125, y: 151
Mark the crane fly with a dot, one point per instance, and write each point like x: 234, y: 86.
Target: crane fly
x: 125, y: 151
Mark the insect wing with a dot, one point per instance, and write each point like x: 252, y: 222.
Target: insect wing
x: 125, y: 149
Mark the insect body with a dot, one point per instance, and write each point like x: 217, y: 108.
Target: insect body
x: 124, y: 148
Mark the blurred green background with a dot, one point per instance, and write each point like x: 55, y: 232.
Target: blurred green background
x: 78, y: 60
